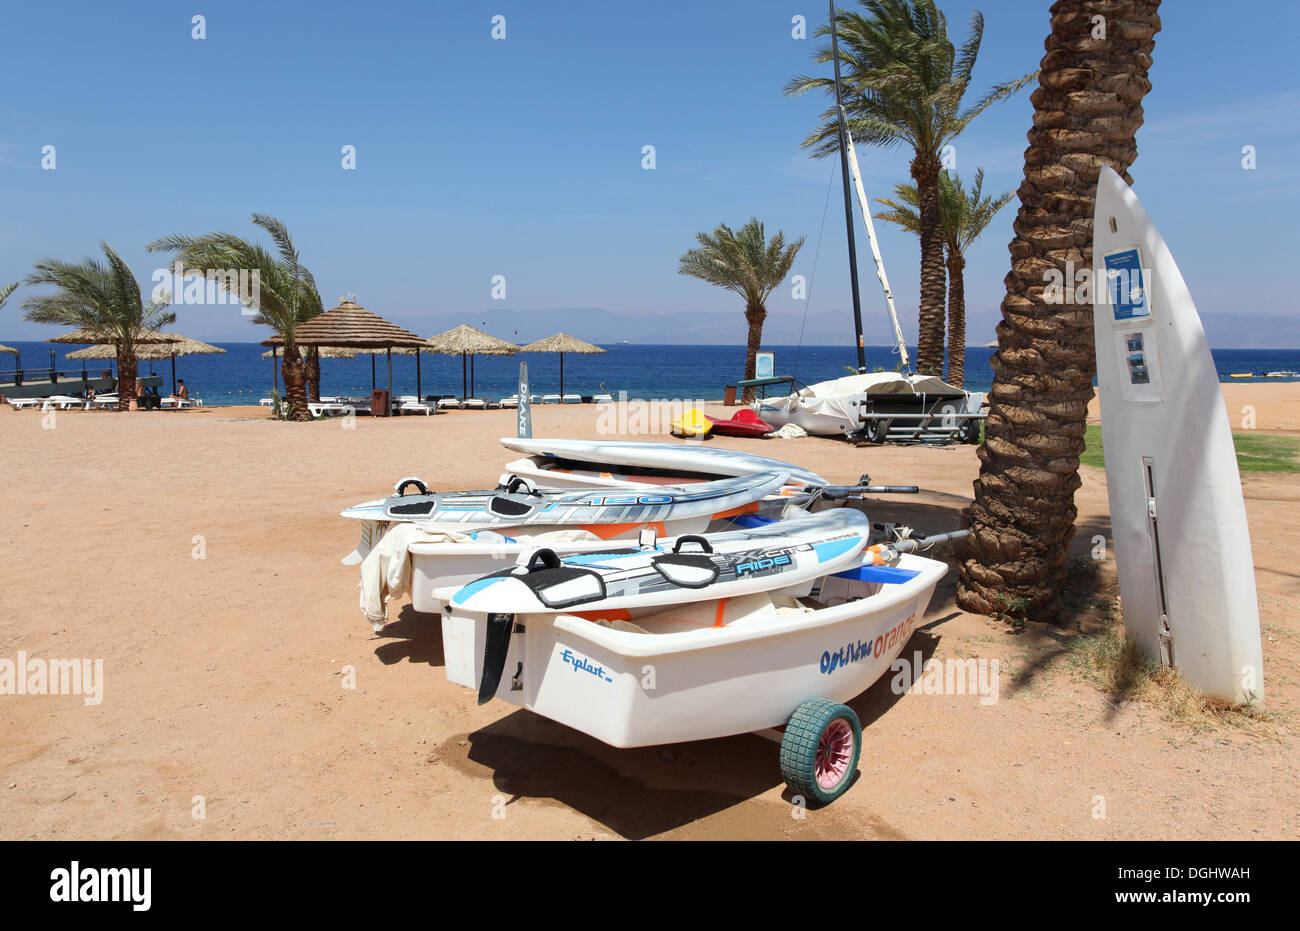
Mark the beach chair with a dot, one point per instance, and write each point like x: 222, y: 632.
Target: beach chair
x: 265, y: 402
x: 448, y: 404
x: 19, y: 404
x: 319, y: 410
x: 415, y: 406
x: 512, y: 401
x: 602, y: 399
x: 550, y: 399
x: 571, y: 399
x: 477, y: 404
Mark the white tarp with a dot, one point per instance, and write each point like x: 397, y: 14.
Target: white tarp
x: 832, y: 408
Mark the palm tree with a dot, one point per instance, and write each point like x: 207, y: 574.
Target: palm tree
x: 964, y: 215
x: 103, y: 297
x: 1087, y: 110
x: 904, y: 83
x: 286, y: 292
x: 5, y: 291
x: 744, y: 262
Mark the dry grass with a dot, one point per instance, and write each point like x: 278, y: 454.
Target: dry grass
x: 1114, y: 664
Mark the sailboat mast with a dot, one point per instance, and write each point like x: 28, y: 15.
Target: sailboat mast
x: 875, y: 254
x: 848, y: 197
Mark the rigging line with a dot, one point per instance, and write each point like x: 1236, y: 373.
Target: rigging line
x: 808, y: 297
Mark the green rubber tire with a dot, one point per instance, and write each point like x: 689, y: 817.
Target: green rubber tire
x: 815, y: 727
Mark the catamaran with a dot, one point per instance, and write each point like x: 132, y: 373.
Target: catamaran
x: 882, y: 406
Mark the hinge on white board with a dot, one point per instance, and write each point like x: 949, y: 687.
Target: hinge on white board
x: 1151, y: 508
x: 1166, y: 642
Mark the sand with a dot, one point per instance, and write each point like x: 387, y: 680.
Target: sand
x: 224, y: 676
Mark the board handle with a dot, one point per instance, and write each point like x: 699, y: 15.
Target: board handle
x: 693, y: 538
x: 539, y: 557
x: 411, y: 480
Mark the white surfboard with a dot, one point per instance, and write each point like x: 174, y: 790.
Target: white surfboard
x: 1182, y: 548
x: 680, y: 457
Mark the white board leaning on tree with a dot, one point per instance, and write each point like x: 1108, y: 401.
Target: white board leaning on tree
x: 1182, y: 548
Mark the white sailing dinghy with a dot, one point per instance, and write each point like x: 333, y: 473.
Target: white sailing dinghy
x: 1182, y: 546
x: 668, y: 643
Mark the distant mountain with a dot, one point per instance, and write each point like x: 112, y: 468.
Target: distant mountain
x: 783, y: 327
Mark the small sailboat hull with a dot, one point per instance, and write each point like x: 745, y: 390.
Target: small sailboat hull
x: 695, y: 672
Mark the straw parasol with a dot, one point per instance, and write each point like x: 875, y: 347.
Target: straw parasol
x: 143, y: 336
x: 562, y: 343
x: 10, y: 349
x: 351, y: 326
x: 182, y: 346
x: 464, y: 341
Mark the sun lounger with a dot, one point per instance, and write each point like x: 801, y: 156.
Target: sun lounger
x: 550, y: 399
x: 266, y: 402
x: 415, y: 407
x: 475, y: 403
x: 602, y: 399
x: 572, y: 399
x: 512, y: 401
x: 21, y: 403
x: 448, y: 403
x: 330, y: 410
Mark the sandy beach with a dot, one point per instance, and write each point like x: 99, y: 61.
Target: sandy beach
x: 224, y: 676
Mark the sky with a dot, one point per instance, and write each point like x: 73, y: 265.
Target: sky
x: 523, y: 157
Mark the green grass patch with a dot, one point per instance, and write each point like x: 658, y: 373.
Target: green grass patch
x: 1256, y: 452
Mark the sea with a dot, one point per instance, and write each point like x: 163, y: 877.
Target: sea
x: 678, y: 372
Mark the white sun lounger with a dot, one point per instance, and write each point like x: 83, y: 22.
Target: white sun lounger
x: 330, y: 410
x: 475, y: 403
x: 602, y: 399
x: 448, y: 403
x: 21, y: 403
x: 550, y: 399
x: 512, y: 401
x: 266, y: 402
x: 572, y: 399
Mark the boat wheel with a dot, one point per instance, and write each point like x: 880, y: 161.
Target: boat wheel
x: 820, y: 750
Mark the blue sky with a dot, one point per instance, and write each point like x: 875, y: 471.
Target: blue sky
x: 479, y: 157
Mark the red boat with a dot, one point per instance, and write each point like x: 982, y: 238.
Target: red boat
x: 744, y: 423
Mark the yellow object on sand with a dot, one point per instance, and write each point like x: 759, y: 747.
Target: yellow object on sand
x: 691, y: 423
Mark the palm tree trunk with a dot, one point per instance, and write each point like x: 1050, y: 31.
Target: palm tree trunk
x: 311, y: 370
x: 127, y: 367
x: 956, y: 319
x: 754, y: 316
x: 1087, y: 110
x: 929, y: 343
x: 294, y: 372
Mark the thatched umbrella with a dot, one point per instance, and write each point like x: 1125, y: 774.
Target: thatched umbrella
x: 183, y: 346
x: 464, y: 341
x: 351, y: 326
x: 10, y: 349
x: 143, y: 337
x: 562, y: 343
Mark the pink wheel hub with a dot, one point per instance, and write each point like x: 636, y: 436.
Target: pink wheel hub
x: 834, y: 753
